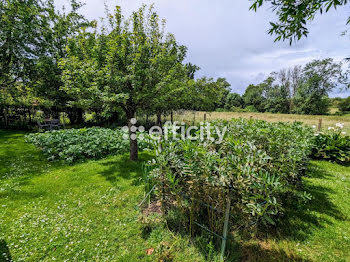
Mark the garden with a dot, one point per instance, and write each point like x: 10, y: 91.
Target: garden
x: 70, y: 194
x: 114, y: 147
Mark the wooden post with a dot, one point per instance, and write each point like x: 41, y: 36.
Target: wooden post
x: 251, y: 117
x: 224, y: 234
x: 319, y: 125
x: 205, y: 117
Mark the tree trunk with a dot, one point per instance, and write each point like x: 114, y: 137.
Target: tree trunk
x: 114, y: 117
x: 75, y: 116
x: 55, y: 112
x: 132, y: 138
x: 79, y: 113
x: 71, y: 116
x: 5, y: 115
x: 172, y: 117
x: 159, y: 118
x: 29, y: 115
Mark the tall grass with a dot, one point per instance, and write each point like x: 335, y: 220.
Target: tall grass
x: 327, y: 121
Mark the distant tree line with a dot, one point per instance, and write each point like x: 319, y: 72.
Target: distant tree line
x: 343, y: 104
x: 299, y: 90
x: 291, y: 23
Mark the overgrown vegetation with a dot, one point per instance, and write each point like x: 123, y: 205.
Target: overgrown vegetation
x: 344, y: 106
x: 259, y: 166
x: 333, y: 145
x: 71, y: 145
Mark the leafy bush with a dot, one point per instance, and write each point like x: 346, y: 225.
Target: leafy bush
x: 334, y: 145
x: 250, y: 109
x: 74, y: 144
x: 258, y: 165
x: 344, y: 106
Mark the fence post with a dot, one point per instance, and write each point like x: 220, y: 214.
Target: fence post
x: 319, y: 125
x: 224, y: 235
x: 205, y: 117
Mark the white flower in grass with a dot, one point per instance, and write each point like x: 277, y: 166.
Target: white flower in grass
x: 343, y: 133
x: 330, y: 128
x: 317, y: 134
x: 339, y: 125
x: 313, y: 126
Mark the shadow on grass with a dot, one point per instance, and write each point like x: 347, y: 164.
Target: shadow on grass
x: 5, y: 254
x: 301, y: 220
x: 18, y: 158
x: 250, y: 250
x: 264, y: 253
x: 123, y: 168
x: 20, y: 195
x: 19, y: 163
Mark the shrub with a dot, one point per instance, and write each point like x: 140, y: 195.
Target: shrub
x: 344, y: 106
x: 258, y: 165
x: 250, y: 109
x: 334, y: 145
x: 71, y: 145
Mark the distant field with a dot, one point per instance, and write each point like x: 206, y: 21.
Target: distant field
x: 307, y: 119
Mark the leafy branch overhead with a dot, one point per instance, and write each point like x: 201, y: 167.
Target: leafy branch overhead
x: 293, y: 16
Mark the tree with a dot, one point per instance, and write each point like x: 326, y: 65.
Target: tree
x: 208, y: 94
x: 311, y: 102
x: 233, y: 100
x: 344, y: 106
x: 48, y: 81
x: 223, y: 89
x: 21, y: 38
x: 134, y: 65
x: 253, y: 96
x: 319, y: 78
x: 293, y: 16
x: 83, y: 76
x: 172, y: 93
x: 276, y: 92
x: 191, y: 70
x: 33, y: 36
x: 302, y: 90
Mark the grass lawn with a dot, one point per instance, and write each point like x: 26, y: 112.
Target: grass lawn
x: 86, y: 212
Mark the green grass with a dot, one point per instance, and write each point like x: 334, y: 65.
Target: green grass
x: 81, y: 212
x: 318, y: 231
x: 86, y: 212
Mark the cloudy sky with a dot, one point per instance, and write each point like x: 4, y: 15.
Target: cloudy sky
x: 227, y: 40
